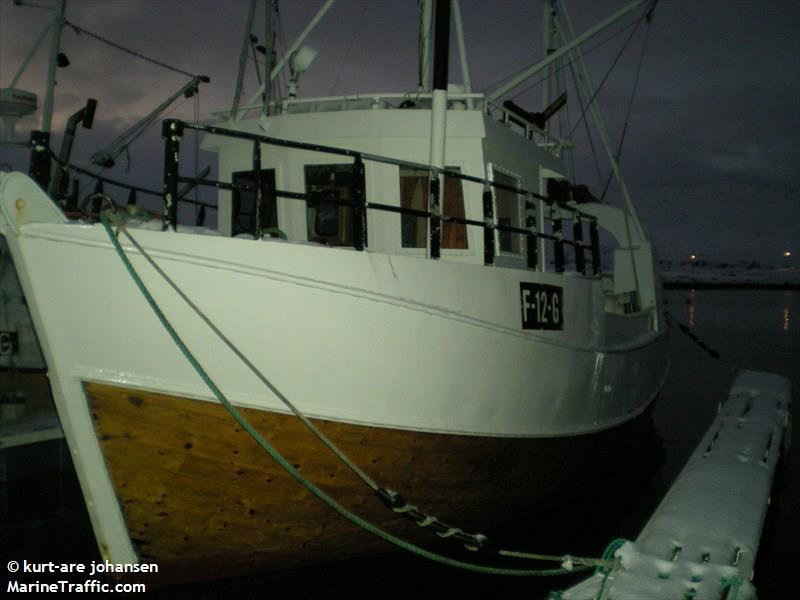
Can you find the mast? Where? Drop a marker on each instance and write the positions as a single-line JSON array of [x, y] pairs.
[[40, 165], [237, 94], [438, 121], [269, 44], [55, 42], [425, 20], [270, 75], [462, 50], [548, 39], [587, 90]]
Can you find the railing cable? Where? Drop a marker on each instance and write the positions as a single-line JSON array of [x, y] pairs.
[[80, 30]]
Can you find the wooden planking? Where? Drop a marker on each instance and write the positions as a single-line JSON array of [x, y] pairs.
[[196, 490]]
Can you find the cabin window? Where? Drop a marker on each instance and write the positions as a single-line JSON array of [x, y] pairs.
[[328, 221], [508, 213], [243, 215], [414, 194]]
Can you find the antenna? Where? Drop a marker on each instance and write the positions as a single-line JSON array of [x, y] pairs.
[[14, 104]]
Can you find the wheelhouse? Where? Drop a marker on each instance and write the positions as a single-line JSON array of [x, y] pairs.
[[493, 206]]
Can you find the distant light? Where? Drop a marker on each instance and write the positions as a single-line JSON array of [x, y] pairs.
[[692, 257], [787, 254]]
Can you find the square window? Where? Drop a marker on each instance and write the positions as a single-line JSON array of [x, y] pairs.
[[243, 215], [414, 194]]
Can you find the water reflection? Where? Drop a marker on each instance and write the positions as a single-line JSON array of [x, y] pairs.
[[690, 307], [743, 310]]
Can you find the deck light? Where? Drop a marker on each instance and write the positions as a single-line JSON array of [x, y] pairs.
[[787, 254], [299, 62], [692, 257], [301, 59]]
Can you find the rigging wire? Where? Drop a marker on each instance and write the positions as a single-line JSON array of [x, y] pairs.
[[254, 57], [566, 120], [422, 65], [80, 30], [586, 126], [280, 78], [196, 115], [350, 47], [629, 109], [606, 76], [562, 67]]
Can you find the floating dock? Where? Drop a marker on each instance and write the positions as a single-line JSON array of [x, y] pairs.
[[702, 540], [30, 430]]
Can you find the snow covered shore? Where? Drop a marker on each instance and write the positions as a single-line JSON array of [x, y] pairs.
[[742, 274]]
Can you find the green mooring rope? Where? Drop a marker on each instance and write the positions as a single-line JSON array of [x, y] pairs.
[[735, 583], [285, 465]]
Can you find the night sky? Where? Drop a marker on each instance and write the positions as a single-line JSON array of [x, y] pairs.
[[711, 151]]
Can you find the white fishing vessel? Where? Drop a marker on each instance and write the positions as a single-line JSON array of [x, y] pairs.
[[413, 273]]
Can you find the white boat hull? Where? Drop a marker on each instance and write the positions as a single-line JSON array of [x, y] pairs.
[[394, 342]]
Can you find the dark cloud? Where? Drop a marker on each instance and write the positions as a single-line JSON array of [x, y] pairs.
[[718, 98]]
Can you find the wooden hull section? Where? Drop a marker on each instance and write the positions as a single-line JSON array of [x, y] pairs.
[[201, 498]]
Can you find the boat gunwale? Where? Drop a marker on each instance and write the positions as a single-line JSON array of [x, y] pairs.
[[35, 230]]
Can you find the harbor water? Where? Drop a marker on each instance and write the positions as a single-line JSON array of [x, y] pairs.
[[42, 516]]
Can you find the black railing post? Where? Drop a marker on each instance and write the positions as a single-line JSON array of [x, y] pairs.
[[594, 236], [97, 198], [530, 239], [271, 200], [171, 131], [259, 203], [359, 204], [488, 225], [40, 158], [577, 238], [71, 207], [61, 184], [558, 245], [436, 214]]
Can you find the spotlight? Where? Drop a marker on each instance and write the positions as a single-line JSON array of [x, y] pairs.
[[302, 59], [299, 62]]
